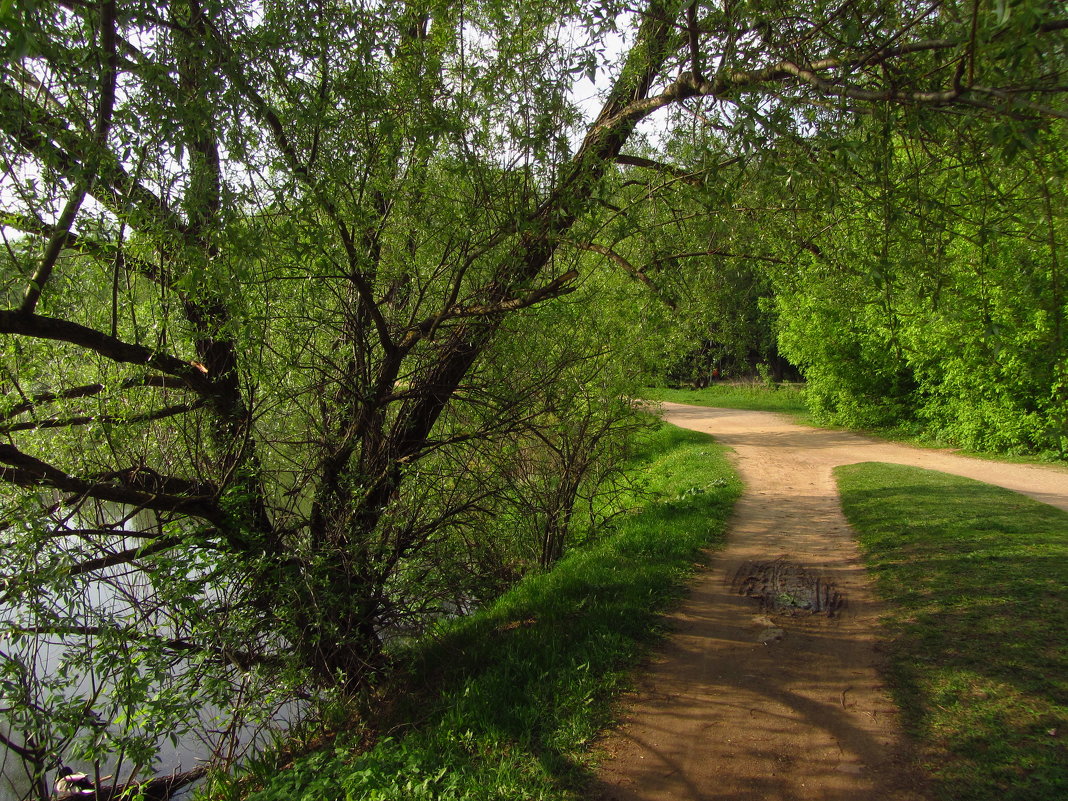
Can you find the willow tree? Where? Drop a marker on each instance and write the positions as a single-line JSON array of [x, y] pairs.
[[936, 300], [257, 251]]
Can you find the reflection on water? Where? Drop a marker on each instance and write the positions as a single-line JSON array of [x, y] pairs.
[[64, 683], [218, 735]]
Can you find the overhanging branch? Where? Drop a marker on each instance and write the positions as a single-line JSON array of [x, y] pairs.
[[41, 327], [635, 272], [105, 251], [727, 254], [84, 181], [650, 164], [126, 557], [555, 288], [27, 471], [88, 390], [54, 144], [242, 659], [88, 419]]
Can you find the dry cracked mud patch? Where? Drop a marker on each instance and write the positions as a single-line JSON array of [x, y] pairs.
[[786, 588]]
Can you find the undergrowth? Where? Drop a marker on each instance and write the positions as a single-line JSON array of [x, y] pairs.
[[505, 703], [977, 577]]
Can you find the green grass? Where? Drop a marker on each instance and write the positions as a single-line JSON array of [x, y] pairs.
[[785, 398], [977, 578], [504, 704]]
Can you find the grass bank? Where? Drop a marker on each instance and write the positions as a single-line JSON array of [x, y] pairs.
[[504, 704], [785, 398], [977, 578]]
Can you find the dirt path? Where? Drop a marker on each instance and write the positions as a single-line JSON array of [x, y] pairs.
[[745, 706]]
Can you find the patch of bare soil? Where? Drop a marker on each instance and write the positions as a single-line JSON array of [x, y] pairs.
[[786, 588], [769, 687]]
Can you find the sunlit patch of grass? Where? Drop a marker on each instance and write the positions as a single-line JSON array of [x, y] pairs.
[[977, 578], [785, 398], [504, 704]]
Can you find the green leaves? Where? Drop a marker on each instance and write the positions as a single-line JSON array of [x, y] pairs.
[[1012, 137], [930, 307]]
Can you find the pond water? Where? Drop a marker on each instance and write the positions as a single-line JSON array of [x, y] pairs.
[[117, 594], [184, 752], [15, 783]]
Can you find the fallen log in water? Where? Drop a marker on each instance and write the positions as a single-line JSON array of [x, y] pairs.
[[158, 788]]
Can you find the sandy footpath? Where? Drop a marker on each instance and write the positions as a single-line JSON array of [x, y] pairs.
[[746, 706]]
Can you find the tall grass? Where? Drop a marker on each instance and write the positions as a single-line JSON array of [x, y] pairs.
[[977, 578], [505, 703]]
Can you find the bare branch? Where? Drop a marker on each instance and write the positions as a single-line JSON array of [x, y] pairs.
[[1013, 99], [1053, 25], [105, 251], [814, 75], [649, 164], [727, 254], [270, 118], [695, 47], [88, 390], [125, 557], [51, 141], [27, 754], [84, 182], [144, 478], [633, 271], [242, 659]]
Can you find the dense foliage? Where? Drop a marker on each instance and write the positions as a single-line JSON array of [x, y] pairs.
[[321, 320], [910, 265], [937, 301]]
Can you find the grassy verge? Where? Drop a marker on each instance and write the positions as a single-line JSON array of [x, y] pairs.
[[786, 398], [977, 577], [507, 701]]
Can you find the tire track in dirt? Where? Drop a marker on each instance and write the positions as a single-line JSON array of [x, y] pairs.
[[743, 705]]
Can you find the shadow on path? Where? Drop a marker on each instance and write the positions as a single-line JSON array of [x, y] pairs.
[[745, 705]]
